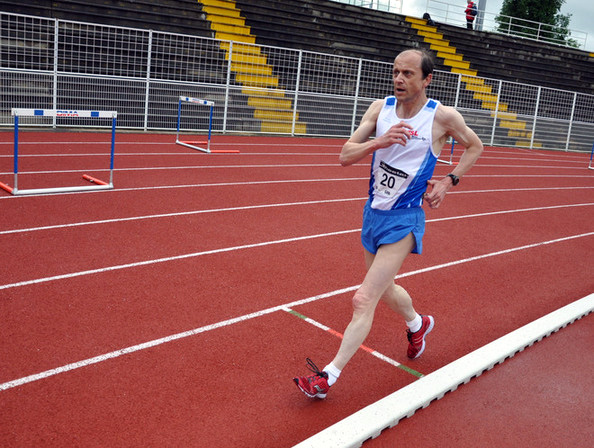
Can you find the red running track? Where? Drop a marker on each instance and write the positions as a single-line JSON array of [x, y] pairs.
[[159, 313]]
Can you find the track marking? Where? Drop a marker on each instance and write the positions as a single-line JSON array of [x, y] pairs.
[[170, 215], [387, 412], [232, 184], [259, 154], [362, 346], [187, 167], [297, 165], [228, 184], [251, 246], [284, 204], [153, 343], [173, 258]]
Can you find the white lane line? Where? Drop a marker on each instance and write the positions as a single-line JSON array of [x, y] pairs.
[[363, 347], [247, 246], [283, 204], [170, 215], [366, 179], [153, 343], [277, 165], [167, 259], [221, 184]]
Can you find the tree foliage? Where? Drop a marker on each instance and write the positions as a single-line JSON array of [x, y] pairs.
[[537, 19]]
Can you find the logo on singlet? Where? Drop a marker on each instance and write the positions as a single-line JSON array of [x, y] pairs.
[[414, 135]]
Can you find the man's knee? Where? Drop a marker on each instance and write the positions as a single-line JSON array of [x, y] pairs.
[[362, 302]]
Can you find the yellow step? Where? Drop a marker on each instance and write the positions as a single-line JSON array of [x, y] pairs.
[[519, 134], [219, 3], [505, 115], [231, 29], [223, 18], [217, 11], [442, 48], [439, 42], [241, 48], [430, 34], [486, 98], [492, 105], [269, 103], [263, 92], [251, 69], [473, 80], [236, 37], [479, 88], [246, 58], [257, 80], [454, 56], [464, 71], [457, 64], [517, 125], [424, 28], [275, 115], [286, 128], [415, 20]]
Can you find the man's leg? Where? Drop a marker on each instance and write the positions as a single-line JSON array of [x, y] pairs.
[[380, 275]]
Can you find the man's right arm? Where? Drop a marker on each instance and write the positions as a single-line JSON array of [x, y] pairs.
[[359, 146]]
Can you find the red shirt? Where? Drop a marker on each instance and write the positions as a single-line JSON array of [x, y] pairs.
[[469, 8]]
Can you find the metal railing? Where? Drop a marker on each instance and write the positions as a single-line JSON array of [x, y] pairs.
[[55, 64], [394, 6], [453, 14]]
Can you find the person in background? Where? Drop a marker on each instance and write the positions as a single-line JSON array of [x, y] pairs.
[[471, 12]]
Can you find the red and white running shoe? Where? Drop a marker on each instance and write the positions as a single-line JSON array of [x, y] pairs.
[[315, 385], [416, 340]]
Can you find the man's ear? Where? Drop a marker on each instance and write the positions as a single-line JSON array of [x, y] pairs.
[[427, 80]]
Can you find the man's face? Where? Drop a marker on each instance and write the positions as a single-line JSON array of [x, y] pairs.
[[408, 76]]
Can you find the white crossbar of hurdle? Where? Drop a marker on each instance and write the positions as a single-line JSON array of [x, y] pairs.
[[59, 113], [189, 144]]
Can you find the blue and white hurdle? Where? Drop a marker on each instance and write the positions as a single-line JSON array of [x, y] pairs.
[[591, 154], [59, 113], [193, 144], [449, 162]]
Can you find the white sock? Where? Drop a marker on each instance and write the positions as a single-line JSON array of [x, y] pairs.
[[333, 373], [415, 324]]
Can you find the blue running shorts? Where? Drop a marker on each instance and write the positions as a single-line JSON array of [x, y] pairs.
[[390, 226]]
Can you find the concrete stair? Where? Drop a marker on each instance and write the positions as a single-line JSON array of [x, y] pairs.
[[480, 91], [251, 69]]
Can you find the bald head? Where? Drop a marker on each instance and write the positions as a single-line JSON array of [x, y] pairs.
[[426, 62]]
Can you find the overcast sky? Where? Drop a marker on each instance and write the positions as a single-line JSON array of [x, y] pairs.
[[582, 13]]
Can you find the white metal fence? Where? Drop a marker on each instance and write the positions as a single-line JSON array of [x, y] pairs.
[[54, 64], [453, 14]]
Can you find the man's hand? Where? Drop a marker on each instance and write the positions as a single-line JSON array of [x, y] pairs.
[[397, 134], [436, 192]]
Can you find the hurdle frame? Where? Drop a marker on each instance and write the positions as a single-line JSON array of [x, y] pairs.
[[590, 167], [450, 162], [202, 102], [60, 113]]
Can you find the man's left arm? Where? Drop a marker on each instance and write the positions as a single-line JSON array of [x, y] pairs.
[[451, 123]]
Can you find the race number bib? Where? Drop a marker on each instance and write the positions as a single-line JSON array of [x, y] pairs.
[[388, 180]]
